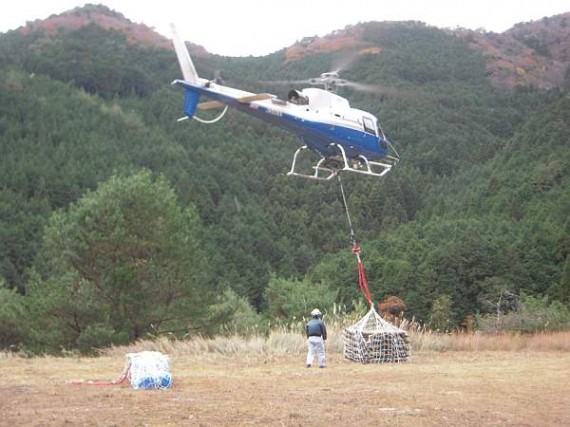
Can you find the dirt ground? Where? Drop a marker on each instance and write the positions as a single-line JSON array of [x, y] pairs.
[[431, 389]]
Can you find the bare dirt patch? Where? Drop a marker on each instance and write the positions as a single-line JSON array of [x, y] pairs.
[[451, 388]]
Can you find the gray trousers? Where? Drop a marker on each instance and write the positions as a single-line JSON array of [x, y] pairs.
[[316, 345]]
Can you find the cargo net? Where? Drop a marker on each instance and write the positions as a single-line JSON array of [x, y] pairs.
[[147, 370], [374, 340]]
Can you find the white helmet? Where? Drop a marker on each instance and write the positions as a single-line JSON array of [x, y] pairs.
[[316, 313]]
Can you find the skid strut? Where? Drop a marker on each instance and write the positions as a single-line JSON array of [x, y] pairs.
[[361, 165]]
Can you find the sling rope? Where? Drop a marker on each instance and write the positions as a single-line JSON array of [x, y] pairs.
[[362, 282]]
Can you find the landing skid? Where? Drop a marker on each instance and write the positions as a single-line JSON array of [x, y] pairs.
[[325, 172]]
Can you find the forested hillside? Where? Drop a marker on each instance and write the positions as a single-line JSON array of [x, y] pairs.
[[478, 208]]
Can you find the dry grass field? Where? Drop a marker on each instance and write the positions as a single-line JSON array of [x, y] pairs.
[[524, 386]]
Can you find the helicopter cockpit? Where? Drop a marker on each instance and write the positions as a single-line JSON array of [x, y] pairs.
[[297, 98]]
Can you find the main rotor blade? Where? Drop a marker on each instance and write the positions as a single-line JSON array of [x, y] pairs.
[[288, 82], [362, 87]]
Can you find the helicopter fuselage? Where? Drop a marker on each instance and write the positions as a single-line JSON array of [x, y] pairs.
[[321, 119]]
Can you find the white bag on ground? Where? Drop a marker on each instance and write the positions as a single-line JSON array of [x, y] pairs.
[[148, 370]]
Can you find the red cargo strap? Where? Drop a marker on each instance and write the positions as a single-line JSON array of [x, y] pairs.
[[362, 282]]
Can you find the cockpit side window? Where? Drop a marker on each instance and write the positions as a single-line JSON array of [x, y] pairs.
[[369, 126], [297, 98]]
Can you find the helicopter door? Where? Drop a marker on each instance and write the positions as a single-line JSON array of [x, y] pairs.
[[369, 126]]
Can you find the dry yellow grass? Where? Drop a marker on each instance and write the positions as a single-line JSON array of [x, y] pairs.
[[259, 383]]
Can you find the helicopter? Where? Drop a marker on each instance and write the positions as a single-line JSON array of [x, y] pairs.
[[345, 139]]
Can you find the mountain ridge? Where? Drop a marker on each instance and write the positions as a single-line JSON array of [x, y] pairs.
[[535, 53], [108, 19]]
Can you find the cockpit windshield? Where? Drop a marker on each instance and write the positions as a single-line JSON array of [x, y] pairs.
[[369, 126]]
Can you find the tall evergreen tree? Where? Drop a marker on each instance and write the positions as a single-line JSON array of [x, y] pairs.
[[124, 261]]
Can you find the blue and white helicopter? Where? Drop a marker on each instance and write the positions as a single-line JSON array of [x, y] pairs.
[[344, 138]]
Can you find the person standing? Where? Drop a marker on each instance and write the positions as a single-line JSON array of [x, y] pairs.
[[316, 336]]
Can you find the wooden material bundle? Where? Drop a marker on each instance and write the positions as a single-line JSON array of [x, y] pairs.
[[374, 340]]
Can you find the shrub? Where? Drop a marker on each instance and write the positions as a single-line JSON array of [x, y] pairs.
[[533, 315], [12, 318], [294, 299], [232, 314]]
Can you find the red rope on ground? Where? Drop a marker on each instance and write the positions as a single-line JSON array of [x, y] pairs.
[[362, 282], [119, 380], [97, 383]]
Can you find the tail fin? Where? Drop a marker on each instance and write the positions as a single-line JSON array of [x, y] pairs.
[[186, 65]]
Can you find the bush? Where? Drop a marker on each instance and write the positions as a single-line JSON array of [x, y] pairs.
[[533, 315], [233, 314], [12, 318], [96, 336], [294, 299]]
